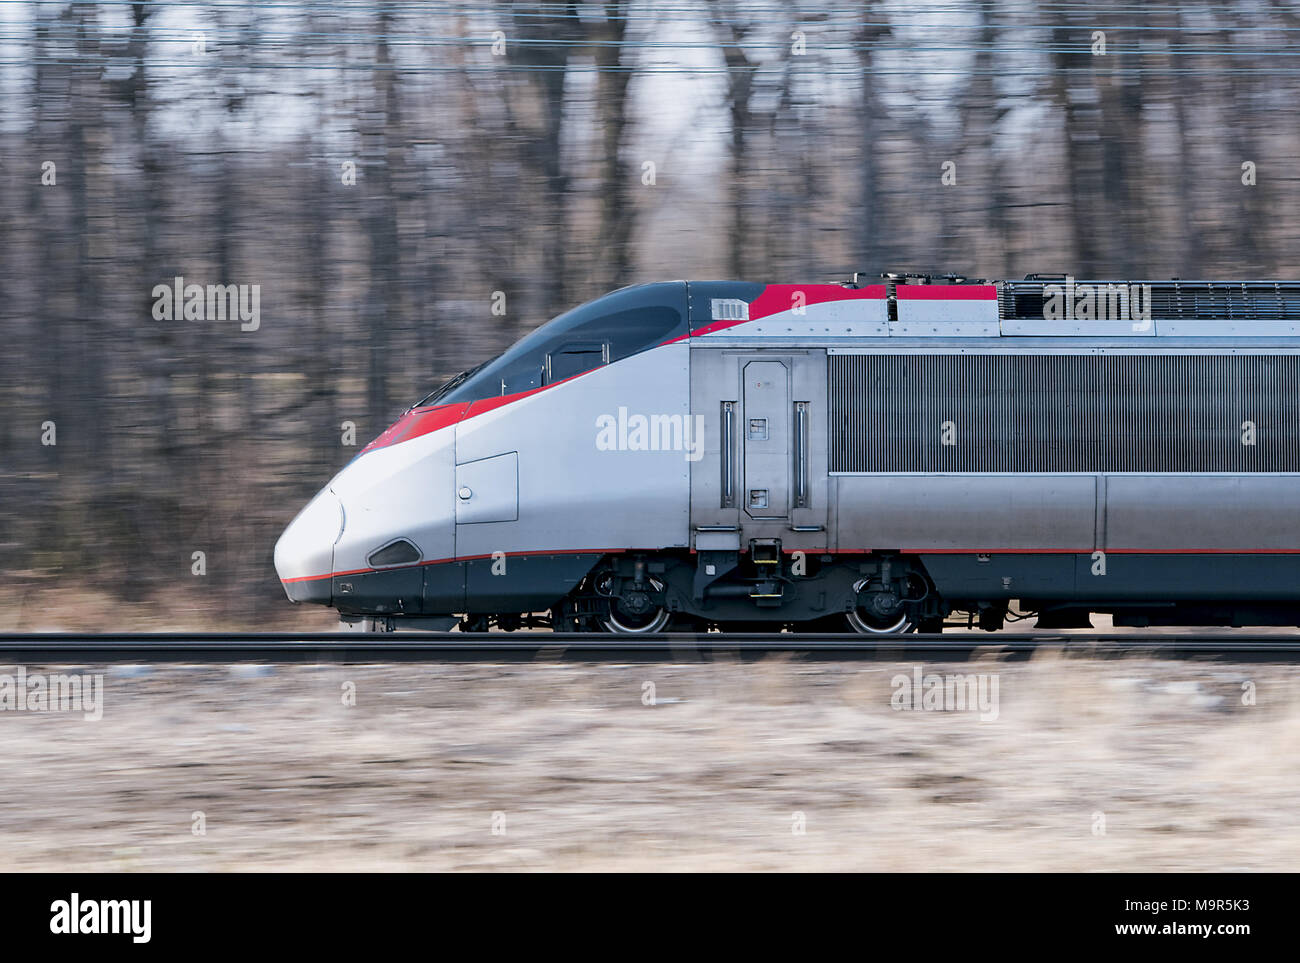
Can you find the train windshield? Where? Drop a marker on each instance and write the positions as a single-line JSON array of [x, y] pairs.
[[436, 396], [602, 331]]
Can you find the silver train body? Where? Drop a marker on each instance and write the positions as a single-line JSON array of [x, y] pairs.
[[876, 457]]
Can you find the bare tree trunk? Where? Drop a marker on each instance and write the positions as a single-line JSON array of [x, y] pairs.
[[93, 324], [740, 88], [1076, 92], [544, 152], [617, 210], [873, 241], [1249, 227], [982, 113], [381, 224]]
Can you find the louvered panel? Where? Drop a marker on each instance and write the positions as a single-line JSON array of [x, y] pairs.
[[1064, 413], [1174, 300]]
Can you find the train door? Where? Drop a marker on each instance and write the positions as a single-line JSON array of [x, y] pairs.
[[764, 467], [762, 473]]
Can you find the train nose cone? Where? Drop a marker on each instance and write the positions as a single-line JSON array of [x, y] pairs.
[[304, 555]]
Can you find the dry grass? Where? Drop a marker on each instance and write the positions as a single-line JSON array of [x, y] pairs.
[[58, 608], [588, 777]]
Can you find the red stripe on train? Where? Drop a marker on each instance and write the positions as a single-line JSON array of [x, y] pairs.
[[946, 292], [422, 421], [778, 298]]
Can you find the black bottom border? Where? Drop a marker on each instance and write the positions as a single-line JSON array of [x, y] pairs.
[[947, 912]]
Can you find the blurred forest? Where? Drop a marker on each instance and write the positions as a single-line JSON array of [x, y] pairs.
[[388, 174]]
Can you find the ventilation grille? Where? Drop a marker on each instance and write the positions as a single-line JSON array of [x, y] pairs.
[[1064, 413], [1172, 300]]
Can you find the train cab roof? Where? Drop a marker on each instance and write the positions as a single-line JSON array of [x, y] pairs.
[[606, 329]]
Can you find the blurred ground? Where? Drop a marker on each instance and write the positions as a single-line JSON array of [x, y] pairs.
[[711, 777], [56, 607]]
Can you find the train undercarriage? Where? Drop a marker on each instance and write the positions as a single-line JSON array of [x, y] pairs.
[[767, 590], [761, 590]]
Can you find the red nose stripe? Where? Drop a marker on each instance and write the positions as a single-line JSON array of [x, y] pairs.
[[784, 297], [777, 298], [946, 292], [417, 422], [421, 421]]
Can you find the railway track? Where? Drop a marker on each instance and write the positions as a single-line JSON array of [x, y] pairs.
[[555, 646]]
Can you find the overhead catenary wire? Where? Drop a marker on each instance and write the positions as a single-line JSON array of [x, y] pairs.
[[703, 69], [352, 38], [1132, 53], [833, 50], [592, 11], [795, 15]]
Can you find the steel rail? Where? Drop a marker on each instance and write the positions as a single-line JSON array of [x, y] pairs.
[[354, 647]]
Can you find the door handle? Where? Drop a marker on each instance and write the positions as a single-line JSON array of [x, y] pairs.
[[801, 454], [728, 454]]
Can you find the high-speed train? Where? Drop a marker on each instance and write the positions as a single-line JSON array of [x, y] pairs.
[[873, 455]]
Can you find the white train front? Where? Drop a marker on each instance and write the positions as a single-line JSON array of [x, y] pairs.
[[870, 456]]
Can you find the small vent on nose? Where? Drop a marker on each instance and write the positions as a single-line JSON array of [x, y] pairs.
[[400, 552]]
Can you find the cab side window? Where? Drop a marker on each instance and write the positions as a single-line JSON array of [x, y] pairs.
[[524, 375], [575, 357]]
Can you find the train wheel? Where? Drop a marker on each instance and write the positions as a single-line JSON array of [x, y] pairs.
[[870, 625], [636, 614], [879, 612]]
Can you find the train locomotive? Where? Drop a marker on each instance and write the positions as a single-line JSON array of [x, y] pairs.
[[878, 455]]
